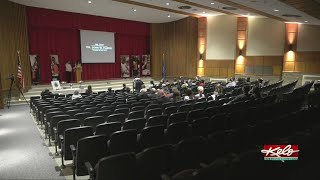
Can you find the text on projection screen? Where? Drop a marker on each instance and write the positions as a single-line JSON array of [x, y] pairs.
[[97, 47]]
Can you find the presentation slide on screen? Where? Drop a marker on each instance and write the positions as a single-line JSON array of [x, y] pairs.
[[97, 47]]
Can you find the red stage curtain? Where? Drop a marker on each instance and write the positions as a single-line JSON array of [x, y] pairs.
[[57, 32]]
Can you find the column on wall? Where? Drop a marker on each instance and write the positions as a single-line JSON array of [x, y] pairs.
[[242, 27], [289, 63], [202, 36]]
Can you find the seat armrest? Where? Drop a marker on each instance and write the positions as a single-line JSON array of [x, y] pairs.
[[55, 130], [90, 170], [165, 177], [61, 138], [203, 165], [73, 148]]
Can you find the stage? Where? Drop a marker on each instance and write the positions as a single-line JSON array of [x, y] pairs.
[[99, 85]]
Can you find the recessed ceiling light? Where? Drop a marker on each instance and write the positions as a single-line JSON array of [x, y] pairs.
[[89, 2], [203, 12], [167, 4], [169, 16], [134, 10], [306, 21], [276, 10], [212, 3]]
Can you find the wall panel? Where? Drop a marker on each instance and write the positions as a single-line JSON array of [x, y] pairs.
[[175, 44], [13, 33]]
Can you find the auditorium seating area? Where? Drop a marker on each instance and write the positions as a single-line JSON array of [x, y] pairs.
[[122, 136]]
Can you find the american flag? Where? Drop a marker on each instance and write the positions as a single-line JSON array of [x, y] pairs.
[[20, 75]]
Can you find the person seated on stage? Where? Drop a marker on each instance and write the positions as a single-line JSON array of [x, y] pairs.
[[76, 95], [89, 90], [200, 93], [242, 97]]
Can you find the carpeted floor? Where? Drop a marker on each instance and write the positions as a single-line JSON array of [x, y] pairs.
[[23, 152]]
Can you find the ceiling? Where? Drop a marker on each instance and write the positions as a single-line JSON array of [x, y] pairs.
[[160, 11]]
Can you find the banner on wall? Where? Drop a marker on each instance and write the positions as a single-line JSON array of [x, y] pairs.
[[55, 67], [35, 68], [125, 66], [145, 65], [135, 60]]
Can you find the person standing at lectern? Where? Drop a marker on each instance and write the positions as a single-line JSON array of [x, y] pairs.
[[68, 71]]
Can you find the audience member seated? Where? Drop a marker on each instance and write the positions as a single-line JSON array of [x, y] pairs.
[[137, 84], [109, 92], [260, 81], [200, 93], [232, 82], [189, 95], [76, 95], [255, 93], [89, 90], [175, 95], [45, 92], [218, 91], [161, 97], [242, 97]]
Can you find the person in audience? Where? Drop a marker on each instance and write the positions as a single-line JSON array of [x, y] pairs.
[[184, 88], [76, 95], [255, 93], [109, 91], [202, 83], [175, 95], [189, 95], [242, 97], [232, 82], [161, 97], [218, 91], [89, 90], [248, 80], [260, 81], [152, 83], [200, 93], [124, 87], [45, 92]]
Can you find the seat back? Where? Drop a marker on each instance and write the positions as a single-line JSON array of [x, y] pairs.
[[54, 121], [200, 105], [189, 153], [136, 114], [195, 114], [72, 112], [123, 141], [116, 118], [155, 161], [138, 108], [103, 113], [200, 127], [93, 121], [121, 166], [151, 136], [90, 149], [125, 111], [157, 120], [137, 124], [185, 108], [108, 128], [62, 126], [71, 137], [92, 110], [177, 117], [177, 131], [153, 112], [81, 116], [170, 110]]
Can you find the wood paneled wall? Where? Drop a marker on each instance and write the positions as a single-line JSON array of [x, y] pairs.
[[304, 62], [14, 37], [175, 43], [1, 98], [219, 68]]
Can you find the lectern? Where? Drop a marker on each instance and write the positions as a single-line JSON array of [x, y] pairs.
[[78, 70]]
